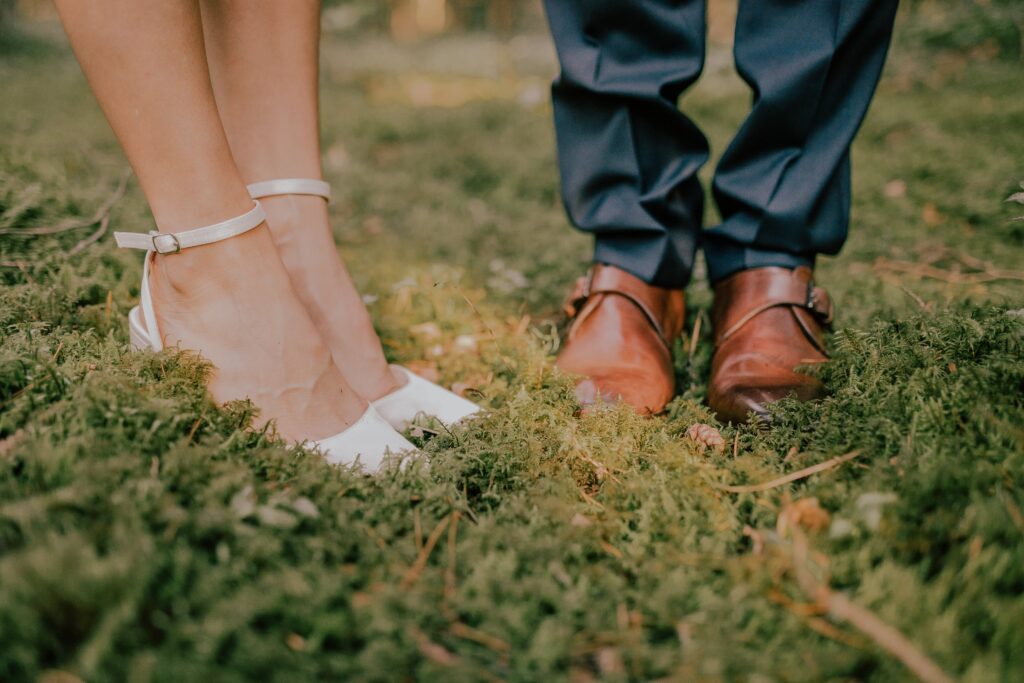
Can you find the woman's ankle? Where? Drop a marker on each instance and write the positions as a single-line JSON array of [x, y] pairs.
[[293, 219], [224, 265], [208, 199]]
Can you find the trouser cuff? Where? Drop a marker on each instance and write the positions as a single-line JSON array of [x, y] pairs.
[[725, 259], [657, 260]]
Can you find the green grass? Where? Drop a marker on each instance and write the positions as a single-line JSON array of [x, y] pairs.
[[147, 535]]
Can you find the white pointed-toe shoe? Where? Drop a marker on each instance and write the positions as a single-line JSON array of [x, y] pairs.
[[417, 397], [368, 441]]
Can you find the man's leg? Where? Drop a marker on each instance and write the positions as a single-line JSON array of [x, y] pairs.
[[783, 185], [783, 188], [628, 160], [628, 157]]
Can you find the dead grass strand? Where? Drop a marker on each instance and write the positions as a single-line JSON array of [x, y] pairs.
[[789, 478]]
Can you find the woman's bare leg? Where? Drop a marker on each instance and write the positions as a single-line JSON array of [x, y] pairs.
[[264, 62], [233, 300]]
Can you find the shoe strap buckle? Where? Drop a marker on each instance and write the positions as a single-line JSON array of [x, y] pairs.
[[153, 236], [819, 303], [580, 293]]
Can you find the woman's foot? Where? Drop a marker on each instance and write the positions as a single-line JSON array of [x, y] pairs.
[[301, 232], [233, 302]]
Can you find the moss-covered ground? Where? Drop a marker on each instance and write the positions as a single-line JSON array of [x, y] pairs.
[[148, 535]]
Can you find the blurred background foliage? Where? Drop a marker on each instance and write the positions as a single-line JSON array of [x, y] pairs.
[[985, 28]]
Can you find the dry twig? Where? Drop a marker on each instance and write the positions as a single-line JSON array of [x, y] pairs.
[[695, 337], [793, 476], [984, 271], [75, 223], [840, 608], [810, 614], [438, 654], [493, 643], [917, 300], [449, 573], [93, 238], [20, 265], [417, 529], [416, 568]]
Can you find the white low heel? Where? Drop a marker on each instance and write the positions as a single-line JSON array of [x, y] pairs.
[[368, 441], [418, 397]]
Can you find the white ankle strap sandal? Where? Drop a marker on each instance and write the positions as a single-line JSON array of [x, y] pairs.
[[142, 326], [417, 397], [368, 441]]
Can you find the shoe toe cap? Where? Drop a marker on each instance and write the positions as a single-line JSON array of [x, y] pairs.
[[737, 400], [645, 397], [420, 397]]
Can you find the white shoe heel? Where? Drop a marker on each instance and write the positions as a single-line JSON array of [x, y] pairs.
[[369, 441], [137, 330], [418, 397]]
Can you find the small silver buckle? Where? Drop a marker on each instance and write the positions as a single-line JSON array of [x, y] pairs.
[[821, 309], [177, 244]]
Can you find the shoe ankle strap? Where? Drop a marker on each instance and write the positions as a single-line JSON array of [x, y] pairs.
[[663, 308], [269, 188], [173, 242], [747, 294]]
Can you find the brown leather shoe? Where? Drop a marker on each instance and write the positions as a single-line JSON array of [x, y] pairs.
[[621, 338], [767, 322]]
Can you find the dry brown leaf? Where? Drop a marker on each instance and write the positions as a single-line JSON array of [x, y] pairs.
[[7, 445], [895, 189], [581, 675], [808, 514], [295, 642], [337, 157], [580, 520], [931, 216], [373, 225], [465, 343], [427, 369], [609, 661], [427, 330]]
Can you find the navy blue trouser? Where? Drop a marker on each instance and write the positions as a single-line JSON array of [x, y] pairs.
[[629, 158]]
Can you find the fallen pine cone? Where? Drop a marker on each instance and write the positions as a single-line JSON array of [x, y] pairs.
[[707, 437]]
